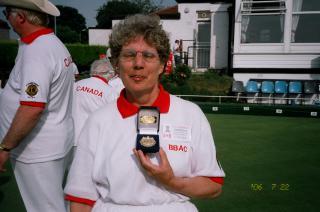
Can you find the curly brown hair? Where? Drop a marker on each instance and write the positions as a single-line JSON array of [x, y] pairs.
[[133, 26]]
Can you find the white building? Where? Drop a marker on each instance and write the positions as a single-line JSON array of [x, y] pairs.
[[252, 39]]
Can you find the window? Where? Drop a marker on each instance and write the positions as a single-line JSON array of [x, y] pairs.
[[262, 21], [305, 21]]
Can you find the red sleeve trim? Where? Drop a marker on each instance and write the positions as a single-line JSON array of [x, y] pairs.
[[34, 104], [80, 200], [219, 180]]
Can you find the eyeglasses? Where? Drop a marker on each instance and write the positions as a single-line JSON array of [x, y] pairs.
[[129, 55]]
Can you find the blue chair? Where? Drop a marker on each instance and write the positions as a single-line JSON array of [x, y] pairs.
[[280, 90], [252, 87], [252, 90], [295, 87], [267, 89], [295, 91], [281, 87]]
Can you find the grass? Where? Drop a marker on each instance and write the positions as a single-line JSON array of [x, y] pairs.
[[271, 163]]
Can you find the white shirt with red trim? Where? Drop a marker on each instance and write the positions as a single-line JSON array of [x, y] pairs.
[[42, 77], [105, 169], [89, 95], [116, 84]]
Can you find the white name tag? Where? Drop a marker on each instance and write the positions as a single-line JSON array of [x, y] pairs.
[[179, 133]]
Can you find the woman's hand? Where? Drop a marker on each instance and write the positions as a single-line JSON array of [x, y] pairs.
[[163, 172], [194, 187]]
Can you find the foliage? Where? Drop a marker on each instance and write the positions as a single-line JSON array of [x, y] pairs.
[[181, 74], [8, 54], [83, 55], [67, 35], [70, 25], [72, 18], [183, 82], [118, 9]]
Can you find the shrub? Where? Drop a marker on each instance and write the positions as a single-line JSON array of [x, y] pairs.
[[83, 55]]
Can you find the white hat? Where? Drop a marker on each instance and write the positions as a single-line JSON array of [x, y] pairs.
[[43, 6]]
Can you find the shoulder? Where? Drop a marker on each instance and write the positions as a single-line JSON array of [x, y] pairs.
[[177, 102], [106, 112]]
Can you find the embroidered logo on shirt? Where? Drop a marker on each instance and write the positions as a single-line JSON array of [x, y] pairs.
[[68, 61], [178, 148], [32, 89], [179, 133]]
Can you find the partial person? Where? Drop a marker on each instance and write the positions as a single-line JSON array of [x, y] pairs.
[[177, 52], [36, 126], [110, 171], [94, 92]]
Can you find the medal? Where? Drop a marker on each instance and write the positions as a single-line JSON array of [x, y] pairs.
[[148, 128]]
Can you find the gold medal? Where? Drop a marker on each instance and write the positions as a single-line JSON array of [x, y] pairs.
[[147, 141], [146, 119]]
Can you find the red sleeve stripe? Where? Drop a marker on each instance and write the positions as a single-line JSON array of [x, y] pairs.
[[34, 104], [80, 200], [219, 180]]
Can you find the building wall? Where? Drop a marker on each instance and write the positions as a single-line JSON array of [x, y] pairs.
[[99, 36], [186, 29], [283, 54]]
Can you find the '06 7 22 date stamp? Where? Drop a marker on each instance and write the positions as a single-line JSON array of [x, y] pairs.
[[272, 186]]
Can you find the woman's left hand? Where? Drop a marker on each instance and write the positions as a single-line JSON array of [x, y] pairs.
[[194, 187], [163, 172]]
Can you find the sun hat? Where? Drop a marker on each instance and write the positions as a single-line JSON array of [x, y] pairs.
[[43, 6]]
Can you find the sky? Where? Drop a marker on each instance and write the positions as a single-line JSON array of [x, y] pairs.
[[88, 8]]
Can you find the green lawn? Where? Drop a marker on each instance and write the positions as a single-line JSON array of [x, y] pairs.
[[272, 164]]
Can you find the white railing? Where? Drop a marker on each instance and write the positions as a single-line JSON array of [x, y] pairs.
[[270, 100]]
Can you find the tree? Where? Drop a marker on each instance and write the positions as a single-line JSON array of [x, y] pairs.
[[119, 9], [71, 25]]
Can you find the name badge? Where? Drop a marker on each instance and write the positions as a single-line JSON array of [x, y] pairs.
[[148, 122]]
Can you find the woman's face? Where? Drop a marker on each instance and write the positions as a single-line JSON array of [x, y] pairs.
[[139, 67]]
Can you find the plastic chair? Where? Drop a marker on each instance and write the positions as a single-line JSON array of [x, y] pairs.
[[310, 92], [295, 90], [280, 90], [309, 87], [252, 90], [267, 88], [252, 87], [281, 87], [238, 88], [295, 87]]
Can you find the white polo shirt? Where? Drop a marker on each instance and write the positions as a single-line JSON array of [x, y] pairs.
[[42, 77], [89, 95], [105, 173]]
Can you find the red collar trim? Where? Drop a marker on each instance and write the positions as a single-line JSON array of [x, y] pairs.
[[127, 109], [102, 78], [31, 37]]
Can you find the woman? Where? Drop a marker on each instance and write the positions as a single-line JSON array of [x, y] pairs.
[[109, 173]]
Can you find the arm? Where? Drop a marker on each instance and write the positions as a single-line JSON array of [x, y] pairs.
[[24, 121], [79, 207], [194, 187]]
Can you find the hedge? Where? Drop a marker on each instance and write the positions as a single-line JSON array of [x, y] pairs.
[[83, 55]]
